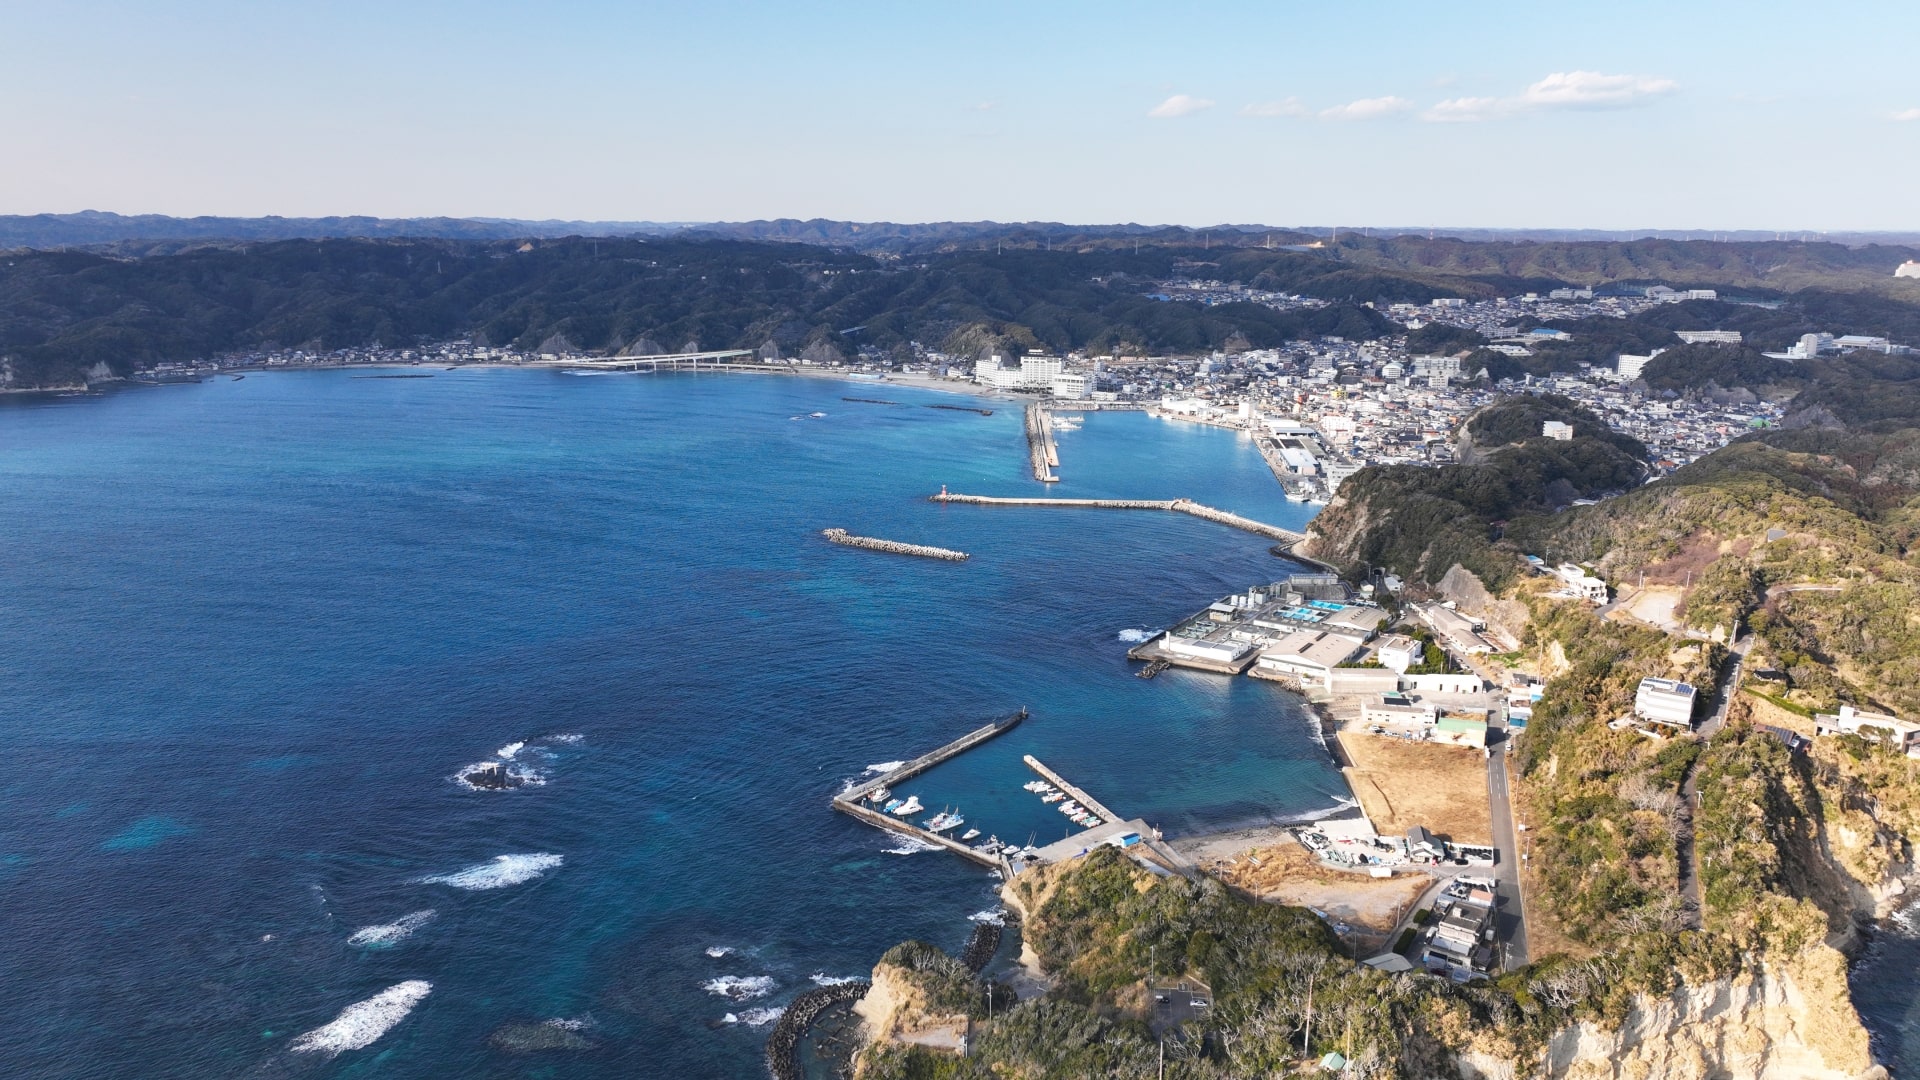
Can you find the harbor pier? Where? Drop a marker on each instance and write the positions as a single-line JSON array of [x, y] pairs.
[[1182, 506], [850, 802], [1111, 826], [1041, 452]]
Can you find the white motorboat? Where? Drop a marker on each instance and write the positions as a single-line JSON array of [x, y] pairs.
[[911, 806]]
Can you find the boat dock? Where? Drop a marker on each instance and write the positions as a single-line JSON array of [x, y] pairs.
[[1041, 451], [850, 801], [1182, 506], [842, 536], [1111, 825]]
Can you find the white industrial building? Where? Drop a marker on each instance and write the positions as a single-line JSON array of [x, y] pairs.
[[1069, 384], [1307, 655], [1665, 701], [1629, 366], [1557, 429], [1398, 652], [1709, 337]]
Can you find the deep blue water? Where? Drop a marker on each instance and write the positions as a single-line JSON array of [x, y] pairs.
[[249, 630]]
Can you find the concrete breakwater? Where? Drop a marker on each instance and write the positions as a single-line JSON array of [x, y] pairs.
[[800, 1015], [981, 945], [1183, 506], [850, 802], [842, 536], [1041, 451]]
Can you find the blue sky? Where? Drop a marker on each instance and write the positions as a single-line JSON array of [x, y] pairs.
[[1616, 115]]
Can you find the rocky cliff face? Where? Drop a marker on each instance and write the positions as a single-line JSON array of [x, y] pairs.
[[1790, 1023]]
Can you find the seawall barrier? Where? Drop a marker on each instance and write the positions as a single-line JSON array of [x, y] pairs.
[[843, 537]]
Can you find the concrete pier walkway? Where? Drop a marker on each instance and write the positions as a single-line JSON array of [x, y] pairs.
[[1183, 506]]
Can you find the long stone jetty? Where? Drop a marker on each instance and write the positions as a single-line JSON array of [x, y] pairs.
[[1041, 452], [1183, 506], [842, 536]]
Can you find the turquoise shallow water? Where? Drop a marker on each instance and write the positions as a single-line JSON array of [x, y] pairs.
[[249, 630]]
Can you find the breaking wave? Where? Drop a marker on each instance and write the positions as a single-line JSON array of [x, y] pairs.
[[363, 1022], [503, 871], [825, 979], [910, 846], [718, 951], [995, 916], [567, 738], [518, 775], [506, 752], [1135, 637], [754, 1017], [1341, 805], [387, 935], [885, 767], [739, 987]]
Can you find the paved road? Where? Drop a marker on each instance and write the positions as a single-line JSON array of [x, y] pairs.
[[1510, 929]]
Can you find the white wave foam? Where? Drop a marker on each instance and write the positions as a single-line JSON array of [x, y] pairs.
[[718, 951], [1135, 637], [1341, 806], [363, 1022], [760, 1017], [885, 767], [506, 752], [503, 871], [518, 775], [739, 987], [910, 846], [389, 934], [567, 738], [825, 979], [565, 1023], [996, 916]]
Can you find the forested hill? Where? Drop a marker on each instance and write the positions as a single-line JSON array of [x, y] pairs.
[[63, 314]]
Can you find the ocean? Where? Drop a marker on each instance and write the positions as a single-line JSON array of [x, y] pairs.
[[252, 631]]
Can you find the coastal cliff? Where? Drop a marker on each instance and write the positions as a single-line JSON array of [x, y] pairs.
[[1790, 1023]]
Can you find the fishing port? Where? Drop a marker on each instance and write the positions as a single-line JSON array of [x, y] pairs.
[[854, 801], [894, 547]]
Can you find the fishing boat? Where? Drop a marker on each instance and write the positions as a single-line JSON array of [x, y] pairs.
[[944, 820], [893, 805], [970, 834], [911, 806], [1069, 808], [880, 796], [1036, 786], [1052, 797]]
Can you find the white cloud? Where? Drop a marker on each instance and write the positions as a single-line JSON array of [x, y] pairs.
[[1367, 109], [1179, 105], [1463, 110], [1287, 107], [1906, 115], [1560, 90], [1592, 90]]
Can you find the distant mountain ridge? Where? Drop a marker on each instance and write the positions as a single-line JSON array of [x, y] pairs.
[[96, 227]]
